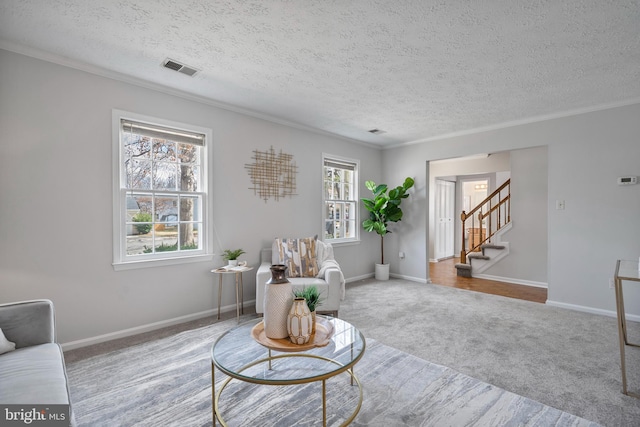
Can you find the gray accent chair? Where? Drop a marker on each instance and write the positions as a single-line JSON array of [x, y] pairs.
[[34, 373]]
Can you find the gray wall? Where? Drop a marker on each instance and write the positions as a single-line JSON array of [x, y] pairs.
[[55, 184], [601, 222], [527, 260], [56, 209]]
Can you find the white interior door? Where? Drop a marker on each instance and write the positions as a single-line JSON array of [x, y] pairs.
[[445, 208]]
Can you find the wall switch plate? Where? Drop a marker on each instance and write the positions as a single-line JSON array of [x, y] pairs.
[[611, 284], [560, 205], [401, 255]]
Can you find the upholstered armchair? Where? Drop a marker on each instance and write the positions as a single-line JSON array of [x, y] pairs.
[[328, 277]]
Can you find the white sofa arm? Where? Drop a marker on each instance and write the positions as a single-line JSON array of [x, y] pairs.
[[262, 276], [333, 277]]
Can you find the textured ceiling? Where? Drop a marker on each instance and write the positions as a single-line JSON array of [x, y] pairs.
[[416, 69]]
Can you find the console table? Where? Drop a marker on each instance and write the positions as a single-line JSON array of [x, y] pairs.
[[625, 270]]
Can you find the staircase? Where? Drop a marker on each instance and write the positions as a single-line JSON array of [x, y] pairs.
[[483, 226], [488, 255]]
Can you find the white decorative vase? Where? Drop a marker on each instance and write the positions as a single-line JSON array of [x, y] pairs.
[[382, 271], [299, 322], [278, 297]]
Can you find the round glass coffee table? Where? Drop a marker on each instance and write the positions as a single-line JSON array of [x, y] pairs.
[[243, 354]]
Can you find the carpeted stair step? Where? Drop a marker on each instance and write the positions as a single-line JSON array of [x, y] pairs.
[[491, 246], [478, 255], [464, 270]]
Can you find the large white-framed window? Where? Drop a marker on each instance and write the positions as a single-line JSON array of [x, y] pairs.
[[160, 170], [340, 199]]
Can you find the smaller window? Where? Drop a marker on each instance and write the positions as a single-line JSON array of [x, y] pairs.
[[340, 195]]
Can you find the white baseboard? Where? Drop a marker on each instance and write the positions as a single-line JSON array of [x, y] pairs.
[[169, 322], [511, 280], [441, 259], [410, 278], [357, 278], [150, 327], [394, 275], [585, 309]]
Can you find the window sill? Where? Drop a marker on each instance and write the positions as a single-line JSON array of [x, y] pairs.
[[342, 243], [150, 263]]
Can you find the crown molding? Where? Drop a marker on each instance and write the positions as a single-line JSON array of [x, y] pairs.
[[114, 75], [102, 72], [528, 120]]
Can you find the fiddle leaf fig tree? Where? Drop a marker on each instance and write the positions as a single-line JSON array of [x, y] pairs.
[[384, 207]]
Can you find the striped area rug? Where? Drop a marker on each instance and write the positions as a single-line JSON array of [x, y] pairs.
[[167, 382]]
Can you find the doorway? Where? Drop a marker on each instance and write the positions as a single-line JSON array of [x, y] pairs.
[[527, 268]]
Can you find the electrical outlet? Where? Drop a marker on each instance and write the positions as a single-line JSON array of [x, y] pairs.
[[611, 284]]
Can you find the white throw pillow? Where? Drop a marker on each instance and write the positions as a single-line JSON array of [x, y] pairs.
[[6, 345]]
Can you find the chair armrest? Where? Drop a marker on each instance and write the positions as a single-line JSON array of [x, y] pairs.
[[28, 323], [333, 276], [262, 276]]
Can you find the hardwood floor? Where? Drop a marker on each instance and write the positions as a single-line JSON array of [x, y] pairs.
[[444, 273]]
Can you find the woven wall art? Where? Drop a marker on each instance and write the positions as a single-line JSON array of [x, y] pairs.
[[272, 175]]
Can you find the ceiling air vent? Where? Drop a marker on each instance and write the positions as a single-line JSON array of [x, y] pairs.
[[377, 131], [181, 68]]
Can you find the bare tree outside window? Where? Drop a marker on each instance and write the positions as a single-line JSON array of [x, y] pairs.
[[162, 178], [187, 155]]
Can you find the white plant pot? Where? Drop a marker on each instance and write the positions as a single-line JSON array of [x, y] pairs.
[[233, 262], [382, 271]]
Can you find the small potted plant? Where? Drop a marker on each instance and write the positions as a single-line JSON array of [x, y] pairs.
[[232, 255], [312, 296]]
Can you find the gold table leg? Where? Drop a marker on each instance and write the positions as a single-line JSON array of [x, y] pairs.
[[216, 398], [324, 403], [622, 333], [351, 370], [213, 393], [238, 297], [219, 294], [241, 295]]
